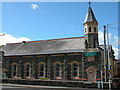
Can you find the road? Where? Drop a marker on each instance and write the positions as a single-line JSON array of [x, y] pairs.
[[13, 88], [30, 87]]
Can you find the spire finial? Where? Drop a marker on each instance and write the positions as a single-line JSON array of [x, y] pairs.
[[89, 3]]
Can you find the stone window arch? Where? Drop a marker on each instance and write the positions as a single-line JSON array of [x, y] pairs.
[[14, 69], [27, 69], [57, 69], [91, 74], [41, 69], [75, 69], [90, 29]]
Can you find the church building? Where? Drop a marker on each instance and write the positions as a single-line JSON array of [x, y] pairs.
[[77, 58]]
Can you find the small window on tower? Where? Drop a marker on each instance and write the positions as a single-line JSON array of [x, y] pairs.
[[89, 29], [94, 29], [85, 30]]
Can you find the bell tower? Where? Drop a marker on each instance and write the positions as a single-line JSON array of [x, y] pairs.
[[91, 30]]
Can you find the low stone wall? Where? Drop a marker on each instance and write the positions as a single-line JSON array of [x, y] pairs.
[[62, 83]]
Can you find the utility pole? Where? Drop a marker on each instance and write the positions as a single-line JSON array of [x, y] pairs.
[[101, 79], [104, 53], [109, 61], [108, 55]]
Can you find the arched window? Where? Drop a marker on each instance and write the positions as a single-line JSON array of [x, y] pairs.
[[57, 70], [75, 70], [14, 69], [41, 73], [41, 69], [95, 29], [85, 30], [27, 70], [89, 29]]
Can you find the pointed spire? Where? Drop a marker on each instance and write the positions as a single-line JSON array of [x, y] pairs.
[[90, 15], [89, 3]]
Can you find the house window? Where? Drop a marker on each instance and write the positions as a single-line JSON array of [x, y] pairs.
[[57, 70], [75, 70], [28, 70], [41, 73], [14, 69], [89, 29], [95, 29]]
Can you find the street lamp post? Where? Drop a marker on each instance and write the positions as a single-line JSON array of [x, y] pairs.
[[109, 62], [108, 55], [104, 53]]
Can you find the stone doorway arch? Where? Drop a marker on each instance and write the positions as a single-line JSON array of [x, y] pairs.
[[91, 74], [4, 73]]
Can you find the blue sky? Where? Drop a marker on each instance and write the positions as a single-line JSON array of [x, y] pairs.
[[51, 20]]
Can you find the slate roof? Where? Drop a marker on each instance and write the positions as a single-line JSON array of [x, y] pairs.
[[90, 17], [102, 47], [65, 45]]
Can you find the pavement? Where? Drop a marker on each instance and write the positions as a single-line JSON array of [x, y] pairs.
[[25, 87]]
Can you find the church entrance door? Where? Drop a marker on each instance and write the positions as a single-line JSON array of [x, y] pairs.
[[91, 76]]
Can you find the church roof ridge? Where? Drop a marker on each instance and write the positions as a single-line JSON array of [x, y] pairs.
[[45, 40]]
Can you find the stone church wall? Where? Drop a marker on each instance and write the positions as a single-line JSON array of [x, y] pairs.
[[65, 60]]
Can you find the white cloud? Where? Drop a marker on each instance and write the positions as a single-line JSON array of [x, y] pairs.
[[101, 37], [113, 40], [34, 6], [7, 38], [117, 52], [116, 41]]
